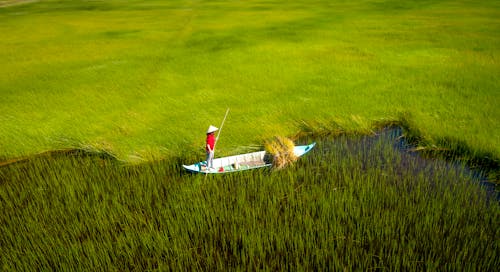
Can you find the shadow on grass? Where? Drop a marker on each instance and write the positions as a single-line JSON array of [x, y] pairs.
[[411, 140]]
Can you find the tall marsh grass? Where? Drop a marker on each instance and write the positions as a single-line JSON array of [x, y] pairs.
[[351, 204]]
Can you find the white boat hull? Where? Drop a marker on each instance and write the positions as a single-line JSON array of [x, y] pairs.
[[241, 162]]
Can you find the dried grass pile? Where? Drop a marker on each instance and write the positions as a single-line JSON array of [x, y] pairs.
[[280, 151]]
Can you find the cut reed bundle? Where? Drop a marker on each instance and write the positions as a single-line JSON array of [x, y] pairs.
[[279, 151]]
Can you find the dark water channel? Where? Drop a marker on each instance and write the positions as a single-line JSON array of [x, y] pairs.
[[390, 152]]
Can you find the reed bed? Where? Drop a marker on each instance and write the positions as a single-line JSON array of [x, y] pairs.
[[351, 204]]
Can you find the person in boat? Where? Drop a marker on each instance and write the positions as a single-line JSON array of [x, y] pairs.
[[210, 146]]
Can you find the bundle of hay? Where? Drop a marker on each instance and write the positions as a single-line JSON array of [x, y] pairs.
[[279, 151]]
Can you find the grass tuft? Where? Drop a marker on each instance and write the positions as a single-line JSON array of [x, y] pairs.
[[281, 150]]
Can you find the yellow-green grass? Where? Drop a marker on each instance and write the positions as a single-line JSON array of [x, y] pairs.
[[143, 79], [280, 151]]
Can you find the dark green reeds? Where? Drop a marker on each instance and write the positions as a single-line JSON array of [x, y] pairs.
[[354, 204]]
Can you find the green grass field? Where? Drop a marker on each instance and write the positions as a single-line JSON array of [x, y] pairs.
[[125, 90], [144, 79]]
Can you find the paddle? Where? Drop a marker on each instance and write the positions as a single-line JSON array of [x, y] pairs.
[[220, 129]]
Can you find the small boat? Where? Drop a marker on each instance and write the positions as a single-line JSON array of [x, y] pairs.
[[241, 162]]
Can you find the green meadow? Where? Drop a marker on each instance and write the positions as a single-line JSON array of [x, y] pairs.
[[144, 79], [102, 101]]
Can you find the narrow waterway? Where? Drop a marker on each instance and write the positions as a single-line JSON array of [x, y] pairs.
[[390, 153]]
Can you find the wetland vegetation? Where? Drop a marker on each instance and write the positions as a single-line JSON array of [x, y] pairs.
[[352, 203], [126, 90], [143, 79]]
